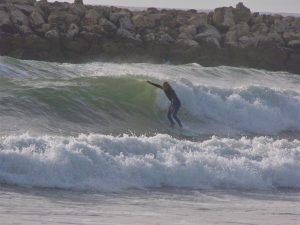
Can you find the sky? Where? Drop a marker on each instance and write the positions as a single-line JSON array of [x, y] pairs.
[[284, 6]]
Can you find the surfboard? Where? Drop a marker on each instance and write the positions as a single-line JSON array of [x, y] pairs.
[[184, 132]]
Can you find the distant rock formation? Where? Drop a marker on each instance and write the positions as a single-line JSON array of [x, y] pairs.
[[76, 32]]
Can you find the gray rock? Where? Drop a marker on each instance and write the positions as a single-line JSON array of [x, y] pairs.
[[19, 18], [248, 41], [43, 6], [36, 18], [5, 22], [25, 2], [260, 28], [188, 31], [78, 2], [281, 25], [116, 16], [144, 22], [126, 23], [294, 43], [43, 29], [198, 19], [52, 35], [164, 38], [78, 9], [235, 32], [126, 34], [62, 17], [72, 31], [223, 17], [208, 31], [150, 37], [187, 42], [209, 34], [241, 13], [23, 29], [26, 9], [107, 25], [91, 17], [291, 35]]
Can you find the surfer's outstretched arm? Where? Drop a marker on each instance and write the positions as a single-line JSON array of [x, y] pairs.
[[155, 85]]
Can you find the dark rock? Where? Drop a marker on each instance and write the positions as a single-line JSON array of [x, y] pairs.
[[91, 17], [241, 13], [23, 2], [52, 35], [62, 17], [36, 18], [26, 9], [19, 18], [223, 17], [6, 24], [78, 2], [107, 25]]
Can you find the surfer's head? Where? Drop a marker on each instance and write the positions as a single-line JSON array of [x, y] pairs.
[[166, 86]]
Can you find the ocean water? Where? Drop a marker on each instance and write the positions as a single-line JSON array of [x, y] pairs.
[[90, 144]]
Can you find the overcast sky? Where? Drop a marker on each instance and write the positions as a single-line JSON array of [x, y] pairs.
[[286, 6]]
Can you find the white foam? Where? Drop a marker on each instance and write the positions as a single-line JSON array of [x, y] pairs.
[[252, 109], [107, 163]]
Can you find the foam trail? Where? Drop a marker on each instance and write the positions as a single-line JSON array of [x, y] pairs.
[[107, 163]]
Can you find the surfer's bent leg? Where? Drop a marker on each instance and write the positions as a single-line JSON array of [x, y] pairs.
[[175, 111], [170, 111]]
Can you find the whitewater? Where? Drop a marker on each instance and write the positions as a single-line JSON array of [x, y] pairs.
[[96, 133]]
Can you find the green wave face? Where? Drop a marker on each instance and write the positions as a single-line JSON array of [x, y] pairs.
[[94, 104]]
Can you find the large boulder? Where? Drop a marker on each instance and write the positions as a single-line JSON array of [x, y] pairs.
[[281, 25], [116, 16], [44, 7], [271, 40], [78, 9], [107, 26], [188, 31], [91, 17], [209, 34], [241, 13], [260, 28], [197, 20], [24, 2], [126, 34], [26, 30], [26, 9], [235, 32], [146, 21], [5, 22], [36, 18], [164, 38], [78, 2], [52, 35], [19, 18], [72, 31], [223, 17], [187, 43], [291, 35], [126, 23], [62, 17]]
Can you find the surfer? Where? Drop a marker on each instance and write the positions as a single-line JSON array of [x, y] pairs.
[[175, 102]]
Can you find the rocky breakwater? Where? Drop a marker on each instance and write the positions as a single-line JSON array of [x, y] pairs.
[[75, 32]]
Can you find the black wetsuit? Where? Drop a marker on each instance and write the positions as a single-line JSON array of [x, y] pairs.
[[175, 104]]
